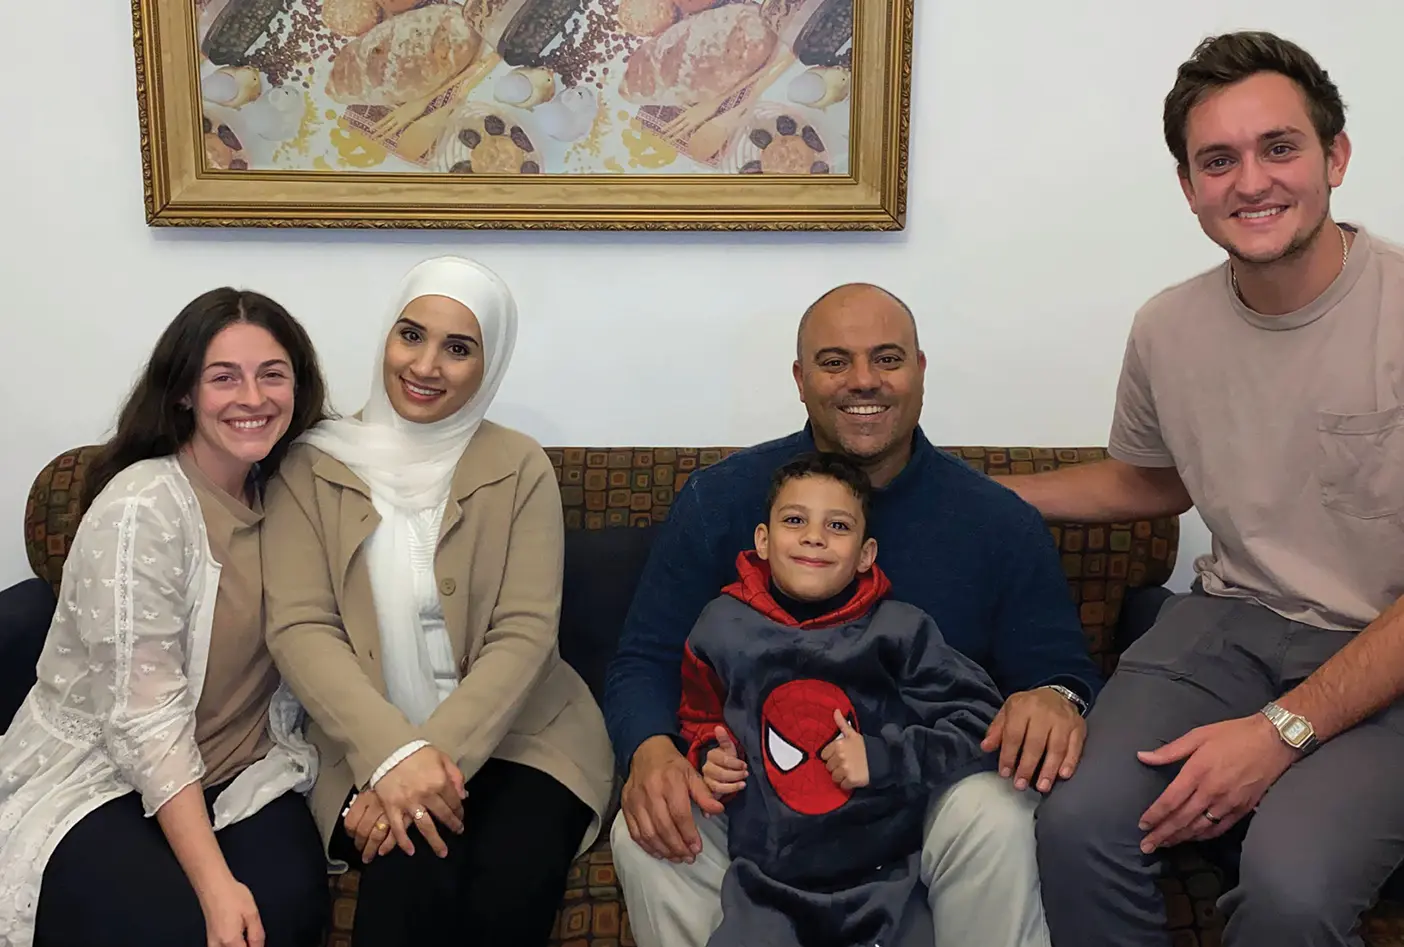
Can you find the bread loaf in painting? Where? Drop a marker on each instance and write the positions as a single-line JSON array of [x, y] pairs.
[[404, 57], [521, 30], [704, 55]]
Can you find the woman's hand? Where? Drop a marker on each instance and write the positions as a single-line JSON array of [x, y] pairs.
[[423, 787], [231, 917], [368, 824]]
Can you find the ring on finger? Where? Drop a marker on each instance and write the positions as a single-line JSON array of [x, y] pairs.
[[382, 826], [419, 813], [1211, 817]]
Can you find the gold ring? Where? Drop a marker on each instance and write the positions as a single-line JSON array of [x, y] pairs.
[[1211, 817], [382, 826], [418, 814]]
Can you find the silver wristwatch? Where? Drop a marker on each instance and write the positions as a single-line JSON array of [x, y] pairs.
[[1294, 729], [1071, 696]]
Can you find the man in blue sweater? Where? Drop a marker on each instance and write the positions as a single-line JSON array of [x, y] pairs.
[[956, 545]]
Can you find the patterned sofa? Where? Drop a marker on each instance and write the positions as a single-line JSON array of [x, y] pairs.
[[613, 498]]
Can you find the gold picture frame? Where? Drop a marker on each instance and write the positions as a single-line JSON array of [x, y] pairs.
[[198, 171]]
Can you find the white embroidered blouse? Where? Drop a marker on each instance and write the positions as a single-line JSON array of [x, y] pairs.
[[113, 709]]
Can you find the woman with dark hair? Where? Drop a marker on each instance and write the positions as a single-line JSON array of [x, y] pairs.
[[151, 787]]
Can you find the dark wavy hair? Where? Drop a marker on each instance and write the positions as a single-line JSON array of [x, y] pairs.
[[154, 424], [1220, 61], [824, 464]]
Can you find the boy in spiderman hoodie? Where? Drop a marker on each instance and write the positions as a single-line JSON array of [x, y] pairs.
[[825, 715]]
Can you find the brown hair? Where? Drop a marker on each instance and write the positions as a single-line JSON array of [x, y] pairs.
[[152, 423], [1220, 61]]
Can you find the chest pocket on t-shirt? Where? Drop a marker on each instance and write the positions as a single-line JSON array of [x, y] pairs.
[[1361, 468]]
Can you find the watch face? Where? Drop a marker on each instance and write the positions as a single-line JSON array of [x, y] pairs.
[[1295, 732]]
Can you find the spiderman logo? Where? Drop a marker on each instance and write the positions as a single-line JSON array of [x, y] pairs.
[[797, 722]]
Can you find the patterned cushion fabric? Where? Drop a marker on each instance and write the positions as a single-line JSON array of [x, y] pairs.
[[634, 486]]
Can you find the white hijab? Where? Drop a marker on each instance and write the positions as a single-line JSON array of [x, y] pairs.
[[409, 467]]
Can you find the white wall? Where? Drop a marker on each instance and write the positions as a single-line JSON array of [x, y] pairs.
[[1043, 210]]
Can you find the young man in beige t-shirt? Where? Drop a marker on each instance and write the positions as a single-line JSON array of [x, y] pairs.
[[1269, 393]]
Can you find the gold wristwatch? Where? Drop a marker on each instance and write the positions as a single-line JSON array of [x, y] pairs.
[[1294, 729]]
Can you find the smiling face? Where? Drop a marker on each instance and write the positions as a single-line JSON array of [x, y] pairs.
[[814, 540], [860, 376], [433, 359], [1258, 177], [242, 403]]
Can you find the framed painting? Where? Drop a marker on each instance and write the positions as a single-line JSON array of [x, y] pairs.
[[518, 114]]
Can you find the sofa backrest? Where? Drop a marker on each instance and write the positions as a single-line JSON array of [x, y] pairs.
[[614, 497]]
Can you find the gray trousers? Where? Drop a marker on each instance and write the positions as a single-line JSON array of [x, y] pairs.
[[1323, 840], [977, 864]]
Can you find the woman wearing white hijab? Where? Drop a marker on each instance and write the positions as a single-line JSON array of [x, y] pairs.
[[413, 561]]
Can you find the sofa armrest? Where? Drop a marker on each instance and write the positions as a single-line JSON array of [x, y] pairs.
[[25, 612]]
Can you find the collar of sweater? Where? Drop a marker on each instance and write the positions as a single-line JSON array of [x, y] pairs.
[[922, 449], [752, 587]]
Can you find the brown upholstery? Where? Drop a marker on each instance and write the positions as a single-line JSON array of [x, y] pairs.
[[634, 486]]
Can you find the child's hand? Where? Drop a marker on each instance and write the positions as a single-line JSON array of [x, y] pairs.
[[724, 771], [846, 756]]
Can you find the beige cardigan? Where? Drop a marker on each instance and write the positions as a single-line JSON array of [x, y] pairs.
[[499, 566]]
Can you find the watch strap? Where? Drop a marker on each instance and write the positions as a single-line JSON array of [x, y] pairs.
[[1280, 716], [1071, 696]]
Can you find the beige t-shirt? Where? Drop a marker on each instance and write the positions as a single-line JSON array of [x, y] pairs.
[[1288, 432], [231, 720]]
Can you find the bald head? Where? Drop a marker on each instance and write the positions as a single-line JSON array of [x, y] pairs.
[[860, 375], [853, 297]]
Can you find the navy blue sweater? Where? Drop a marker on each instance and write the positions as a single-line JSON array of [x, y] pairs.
[[957, 545]]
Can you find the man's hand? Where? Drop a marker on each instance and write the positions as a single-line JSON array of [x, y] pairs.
[[1036, 726], [657, 801], [724, 771], [846, 756], [1228, 767]]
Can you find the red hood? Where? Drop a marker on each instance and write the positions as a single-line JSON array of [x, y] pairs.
[[753, 587]]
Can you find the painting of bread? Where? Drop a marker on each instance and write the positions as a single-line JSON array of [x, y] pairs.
[[484, 88], [704, 55], [404, 57]]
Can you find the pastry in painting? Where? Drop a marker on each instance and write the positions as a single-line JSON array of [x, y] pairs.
[[403, 58], [647, 17], [704, 55], [482, 140], [776, 139], [223, 149], [350, 17], [521, 31]]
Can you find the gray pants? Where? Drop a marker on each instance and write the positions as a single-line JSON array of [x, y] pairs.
[[977, 864], [1323, 840]]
